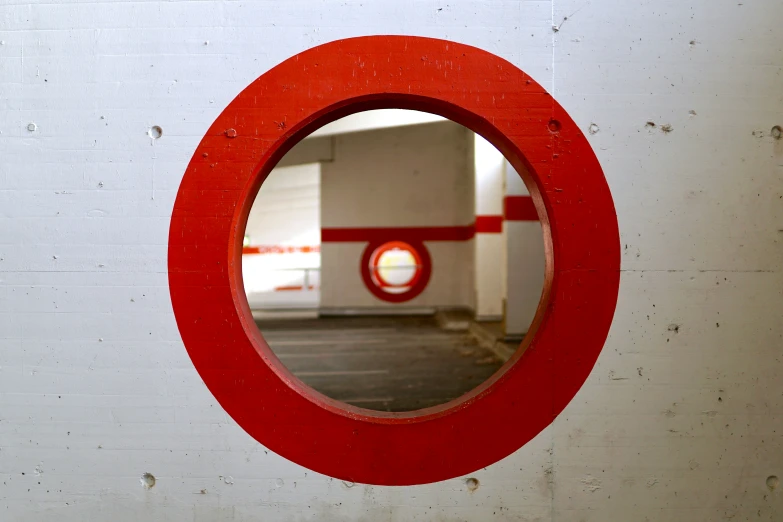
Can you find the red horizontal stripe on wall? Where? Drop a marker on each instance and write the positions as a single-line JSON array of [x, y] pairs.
[[292, 288], [280, 249], [352, 235], [519, 208], [489, 224]]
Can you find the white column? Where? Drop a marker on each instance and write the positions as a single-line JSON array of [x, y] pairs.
[[489, 244]]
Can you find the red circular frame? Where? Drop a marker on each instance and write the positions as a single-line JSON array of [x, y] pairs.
[[390, 246], [420, 279], [474, 88]]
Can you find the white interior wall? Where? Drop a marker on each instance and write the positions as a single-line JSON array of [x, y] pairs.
[[285, 213], [679, 421], [525, 262], [412, 176], [344, 291], [286, 210]]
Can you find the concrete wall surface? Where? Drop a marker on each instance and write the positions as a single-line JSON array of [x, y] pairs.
[[681, 418]]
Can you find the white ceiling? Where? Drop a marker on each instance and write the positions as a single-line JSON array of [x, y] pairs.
[[377, 119]]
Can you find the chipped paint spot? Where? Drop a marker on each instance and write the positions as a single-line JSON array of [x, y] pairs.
[[591, 484], [147, 481], [472, 484]]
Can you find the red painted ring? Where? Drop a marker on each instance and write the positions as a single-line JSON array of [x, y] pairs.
[[377, 253], [472, 87], [420, 279]]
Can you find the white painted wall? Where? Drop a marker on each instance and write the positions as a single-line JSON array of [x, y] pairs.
[[285, 213], [412, 176], [525, 262], [96, 387], [287, 209]]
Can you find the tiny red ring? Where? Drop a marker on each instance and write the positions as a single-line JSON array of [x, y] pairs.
[[420, 279], [375, 271], [486, 94]]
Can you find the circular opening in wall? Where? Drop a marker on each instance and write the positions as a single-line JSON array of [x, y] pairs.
[[396, 271], [250, 374], [377, 273], [395, 267]]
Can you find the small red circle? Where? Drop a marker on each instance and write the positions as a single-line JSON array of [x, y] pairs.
[[384, 276], [386, 291], [472, 87]]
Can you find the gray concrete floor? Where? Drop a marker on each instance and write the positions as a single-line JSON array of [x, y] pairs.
[[380, 363]]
